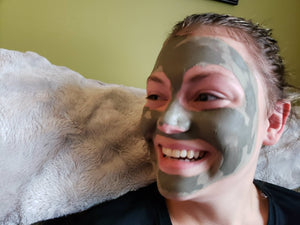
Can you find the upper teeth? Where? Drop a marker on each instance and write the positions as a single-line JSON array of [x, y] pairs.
[[176, 153]]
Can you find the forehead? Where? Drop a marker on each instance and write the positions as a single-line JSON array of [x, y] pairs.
[[181, 53]]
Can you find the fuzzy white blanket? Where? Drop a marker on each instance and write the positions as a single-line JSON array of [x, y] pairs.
[[68, 143]]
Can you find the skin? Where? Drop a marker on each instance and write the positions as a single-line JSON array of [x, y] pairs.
[[225, 127], [178, 96]]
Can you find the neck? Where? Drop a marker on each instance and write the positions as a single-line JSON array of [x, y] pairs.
[[242, 204]]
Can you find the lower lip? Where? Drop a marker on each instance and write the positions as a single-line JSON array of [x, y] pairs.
[[181, 166]]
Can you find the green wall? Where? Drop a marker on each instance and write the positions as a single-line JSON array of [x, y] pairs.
[[117, 41]]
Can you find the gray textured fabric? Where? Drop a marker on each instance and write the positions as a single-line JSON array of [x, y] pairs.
[[67, 142]]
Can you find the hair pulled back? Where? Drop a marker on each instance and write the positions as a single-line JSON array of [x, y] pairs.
[[264, 47]]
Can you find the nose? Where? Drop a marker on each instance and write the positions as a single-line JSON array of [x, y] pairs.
[[175, 119]]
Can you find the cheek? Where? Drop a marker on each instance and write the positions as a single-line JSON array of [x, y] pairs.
[[263, 106], [148, 123], [148, 128], [230, 131], [236, 135]]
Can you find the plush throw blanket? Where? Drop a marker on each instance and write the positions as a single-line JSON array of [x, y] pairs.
[[68, 143]]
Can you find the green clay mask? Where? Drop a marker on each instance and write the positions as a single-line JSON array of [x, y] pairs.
[[230, 130]]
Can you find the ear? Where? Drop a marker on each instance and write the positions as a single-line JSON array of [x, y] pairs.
[[277, 122]]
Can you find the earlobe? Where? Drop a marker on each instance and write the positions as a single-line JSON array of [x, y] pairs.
[[277, 122]]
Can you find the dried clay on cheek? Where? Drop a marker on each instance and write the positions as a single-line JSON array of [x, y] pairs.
[[230, 131]]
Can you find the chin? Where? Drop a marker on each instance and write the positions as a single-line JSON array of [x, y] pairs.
[[178, 196]]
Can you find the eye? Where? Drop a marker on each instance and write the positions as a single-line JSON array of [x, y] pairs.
[[204, 97], [152, 97], [156, 100]]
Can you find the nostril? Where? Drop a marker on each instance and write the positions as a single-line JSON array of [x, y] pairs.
[[174, 120], [170, 129], [160, 123]]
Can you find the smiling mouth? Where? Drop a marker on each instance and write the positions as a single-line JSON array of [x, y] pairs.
[[183, 154]]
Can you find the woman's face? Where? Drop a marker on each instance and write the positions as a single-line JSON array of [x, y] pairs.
[[201, 115]]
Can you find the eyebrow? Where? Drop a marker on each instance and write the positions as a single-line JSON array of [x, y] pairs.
[[204, 74], [155, 79], [198, 77]]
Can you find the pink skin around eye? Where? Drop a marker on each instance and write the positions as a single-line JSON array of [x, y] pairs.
[[214, 80], [159, 85]]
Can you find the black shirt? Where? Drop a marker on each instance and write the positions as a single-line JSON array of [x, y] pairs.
[[284, 204], [147, 207]]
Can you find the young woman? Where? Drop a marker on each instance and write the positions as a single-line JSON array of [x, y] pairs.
[[214, 98]]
